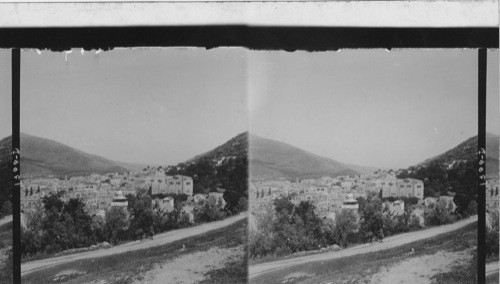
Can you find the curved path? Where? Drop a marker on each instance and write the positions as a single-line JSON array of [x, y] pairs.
[[157, 240], [5, 220], [388, 243], [492, 267]]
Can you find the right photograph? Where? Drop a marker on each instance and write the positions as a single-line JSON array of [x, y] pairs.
[[363, 166]]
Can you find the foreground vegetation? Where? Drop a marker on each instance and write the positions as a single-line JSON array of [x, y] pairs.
[[129, 267], [361, 268], [284, 228], [55, 225], [493, 238], [6, 244]]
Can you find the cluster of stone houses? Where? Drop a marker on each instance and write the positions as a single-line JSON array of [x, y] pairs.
[[333, 194], [101, 192]]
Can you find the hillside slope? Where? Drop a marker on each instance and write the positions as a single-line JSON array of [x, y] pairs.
[[271, 159], [5, 170], [468, 150], [42, 157], [234, 147]]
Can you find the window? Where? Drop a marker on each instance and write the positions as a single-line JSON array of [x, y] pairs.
[[419, 186], [188, 183]]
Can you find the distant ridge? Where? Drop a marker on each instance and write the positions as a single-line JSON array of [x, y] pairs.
[[468, 150], [44, 157], [271, 159]]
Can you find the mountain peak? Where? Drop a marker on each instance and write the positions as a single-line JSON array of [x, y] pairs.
[[234, 147]]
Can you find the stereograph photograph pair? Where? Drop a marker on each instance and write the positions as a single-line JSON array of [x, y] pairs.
[[344, 156]]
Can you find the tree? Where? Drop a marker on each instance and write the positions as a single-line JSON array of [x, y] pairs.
[[26, 192], [269, 192], [345, 225], [372, 220], [242, 204], [116, 225], [38, 191], [141, 211], [31, 191], [472, 209], [7, 208]]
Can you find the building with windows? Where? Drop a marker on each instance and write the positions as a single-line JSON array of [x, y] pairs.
[[408, 187], [163, 184]]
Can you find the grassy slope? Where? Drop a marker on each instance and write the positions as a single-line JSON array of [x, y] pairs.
[[127, 267], [359, 268], [43, 156], [271, 159]]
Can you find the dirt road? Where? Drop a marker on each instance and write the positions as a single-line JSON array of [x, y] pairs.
[[388, 243], [5, 220], [158, 240], [191, 268], [492, 268]]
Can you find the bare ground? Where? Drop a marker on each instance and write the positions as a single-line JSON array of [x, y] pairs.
[[421, 269], [191, 268]]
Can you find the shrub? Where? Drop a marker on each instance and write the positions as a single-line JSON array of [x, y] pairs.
[[472, 208], [492, 235], [439, 214]]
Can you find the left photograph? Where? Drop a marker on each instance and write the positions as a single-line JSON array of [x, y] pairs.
[[134, 166], [5, 167]]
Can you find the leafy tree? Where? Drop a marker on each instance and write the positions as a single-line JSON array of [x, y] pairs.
[[242, 204], [345, 225], [472, 209], [7, 208], [116, 225], [141, 216], [372, 220]]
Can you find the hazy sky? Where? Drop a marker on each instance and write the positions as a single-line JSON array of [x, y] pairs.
[[152, 106], [5, 93], [370, 107]]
